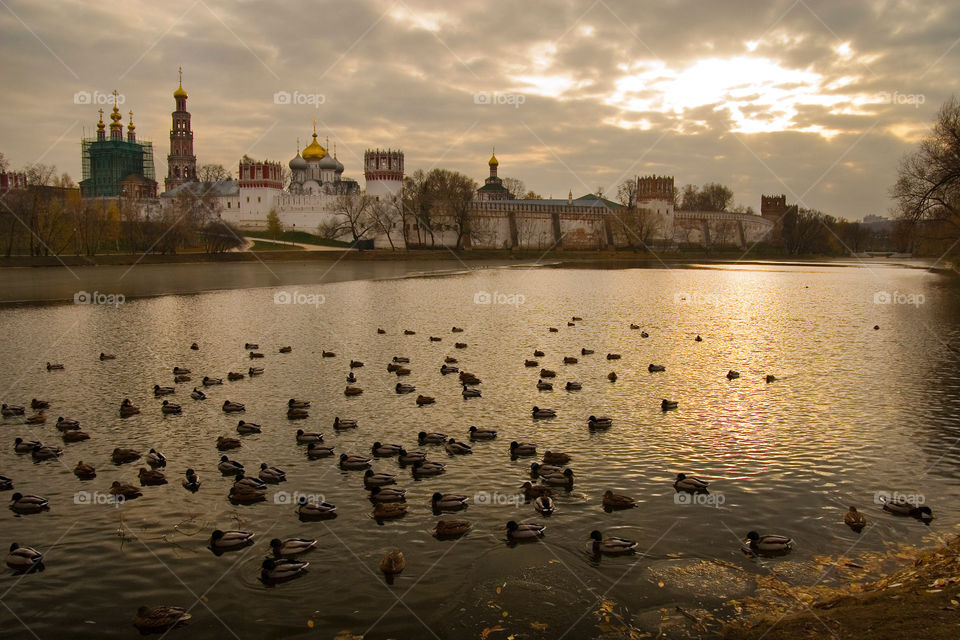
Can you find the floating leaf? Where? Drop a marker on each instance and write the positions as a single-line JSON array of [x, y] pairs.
[[539, 626], [486, 632]]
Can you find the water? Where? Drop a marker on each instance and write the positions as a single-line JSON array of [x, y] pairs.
[[854, 411]]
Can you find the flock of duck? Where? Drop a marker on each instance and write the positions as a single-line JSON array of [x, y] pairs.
[[283, 561]]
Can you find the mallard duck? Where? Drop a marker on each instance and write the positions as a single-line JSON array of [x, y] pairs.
[[315, 451], [531, 491], [732, 375], [524, 531], [170, 408], [447, 369], [128, 409], [425, 468], [344, 423], [666, 405], [613, 500], [553, 330], [644, 334], [230, 540], [39, 404], [328, 354], [353, 462], [451, 528], [124, 490], [387, 494], [191, 481], [564, 479], [531, 363], [548, 373], [256, 354], [482, 434], [75, 436], [245, 494], [611, 545], [431, 438], [612, 376], [556, 457], [286, 349], [601, 422], [544, 505], [372, 479], [351, 378], [54, 366], [656, 368], [9, 410], [522, 449], [24, 446], [316, 510], [537, 353], [574, 386], [304, 437], [242, 480], [254, 371], [392, 367], [352, 391], [380, 331], [232, 407], [297, 414], [247, 346], [854, 519], [354, 364], [411, 457], [246, 428], [229, 467], [698, 339], [690, 484], [385, 450], [634, 326], [196, 394], [291, 546], [387, 510], [456, 330], [28, 504], [38, 418], [180, 371], [181, 378], [231, 376], [544, 386], [402, 371], [537, 469], [450, 360], [23, 559], [194, 347], [160, 618], [293, 403], [460, 345], [45, 452], [148, 477], [6, 484], [225, 444], [107, 356], [586, 352], [423, 400], [768, 544], [544, 413], [770, 378], [613, 356], [576, 319], [468, 378], [271, 474], [156, 459], [66, 424], [163, 391], [84, 471], [448, 501], [457, 448], [904, 508], [570, 360]]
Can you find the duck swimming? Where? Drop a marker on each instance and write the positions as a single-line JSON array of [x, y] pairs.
[[24, 559], [162, 391], [854, 519], [291, 546], [246, 428], [84, 471], [28, 504], [271, 474], [457, 448], [372, 479], [24, 446], [196, 394], [556, 457], [125, 491], [388, 510], [768, 544], [232, 407], [431, 438], [537, 469], [9, 410], [170, 408], [191, 481], [162, 618], [613, 500], [424, 400], [482, 434], [544, 386], [544, 413], [225, 444], [353, 462], [293, 403], [902, 507], [315, 451], [411, 457], [469, 392], [448, 501], [544, 505], [286, 349], [122, 456], [230, 540], [564, 479], [156, 459], [522, 449], [385, 450], [151, 478], [351, 378], [423, 468], [344, 424], [387, 494], [75, 435], [352, 391], [446, 369], [304, 437], [531, 491], [656, 368], [574, 386], [611, 545], [602, 422], [229, 467], [667, 405], [446, 529], [297, 414], [44, 452], [690, 484], [524, 531], [315, 510]]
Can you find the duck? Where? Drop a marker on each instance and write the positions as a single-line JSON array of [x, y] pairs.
[[586, 352], [431, 438], [424, 400], [556, 457], [573, 386], [460, 345], [225, 444], [194, 347], [315, 510], [232, 407], [128, 409], [424, 468], [522, 449], [9, 410], [54, 366], [393, 563], [450, 360], [351, 378], [408, 332], [392, 367], [124, 490], [456, 330], [553, 329], [156, 459], [339, 423], [196, 394], [245, 494], [75, 436], [482, 434], [352, 391], [903, 508], [387, 510], [38, 418], [612, 376], [293, 403], [544, 505], [181, 378], [611, 545], [402, 371], [445, 529], [122, 456], [163, 391], [248, 482], [191, 481], [531, 363], [385, 450], [246, 428], [229, 467], [286, 349], [231, 376], [448, 501], [291, 546], [411, 457], [690, 484], [601, 422], [531, 491], [468, 378], [544, 386], [304, 437], [446, 369], [247, 346], [181, 371], [372, 479], [271, 474], [380, 331], [255, 354], [613, 500], [28, 504], [230, 540], [634, 326], [170, 408], [768, 544], [570, 360], [85, 471], [538, 354], [666, 405], [401, 360], [656, 368], [544, 413], [39, 404], [564, 479], [24, 559], [644, 334], [524, 531], [387, 494], [315, 451], [613, 356], [355, 364], [254, 371], [854, 519], [353, 462], [151, 477], [733, 375], [548, 373], [297, 414], [160, 618], [107, 356], [44, 452], [770, 378], [698, 339], [457, 448], [24, 446], [537, 469], [6, 484], [66, 424]]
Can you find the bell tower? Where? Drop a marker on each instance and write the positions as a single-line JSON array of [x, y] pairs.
[[181, 163]]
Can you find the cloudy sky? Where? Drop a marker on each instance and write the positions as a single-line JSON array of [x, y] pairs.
[[817, 99]]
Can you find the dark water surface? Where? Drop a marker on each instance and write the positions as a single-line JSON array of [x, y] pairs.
[[854, 412]]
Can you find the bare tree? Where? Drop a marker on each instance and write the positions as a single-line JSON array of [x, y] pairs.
[[515, 186], [354, 215], [213, 173], [386, 216]]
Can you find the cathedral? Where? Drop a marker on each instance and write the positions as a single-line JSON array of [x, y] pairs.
[[113, 166], [316, 171]]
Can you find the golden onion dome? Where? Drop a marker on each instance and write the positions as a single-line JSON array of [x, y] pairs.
[[180, 93], [493, 161], [314, 150]]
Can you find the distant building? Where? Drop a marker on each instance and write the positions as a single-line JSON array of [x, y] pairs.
[[493, 188], [13, 180], [114, 167], [383, 172], [181, 161]]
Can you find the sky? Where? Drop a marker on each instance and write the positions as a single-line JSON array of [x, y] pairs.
[[818, 100]]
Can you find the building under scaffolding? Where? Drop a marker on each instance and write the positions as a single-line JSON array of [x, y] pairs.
[[115, 167]]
